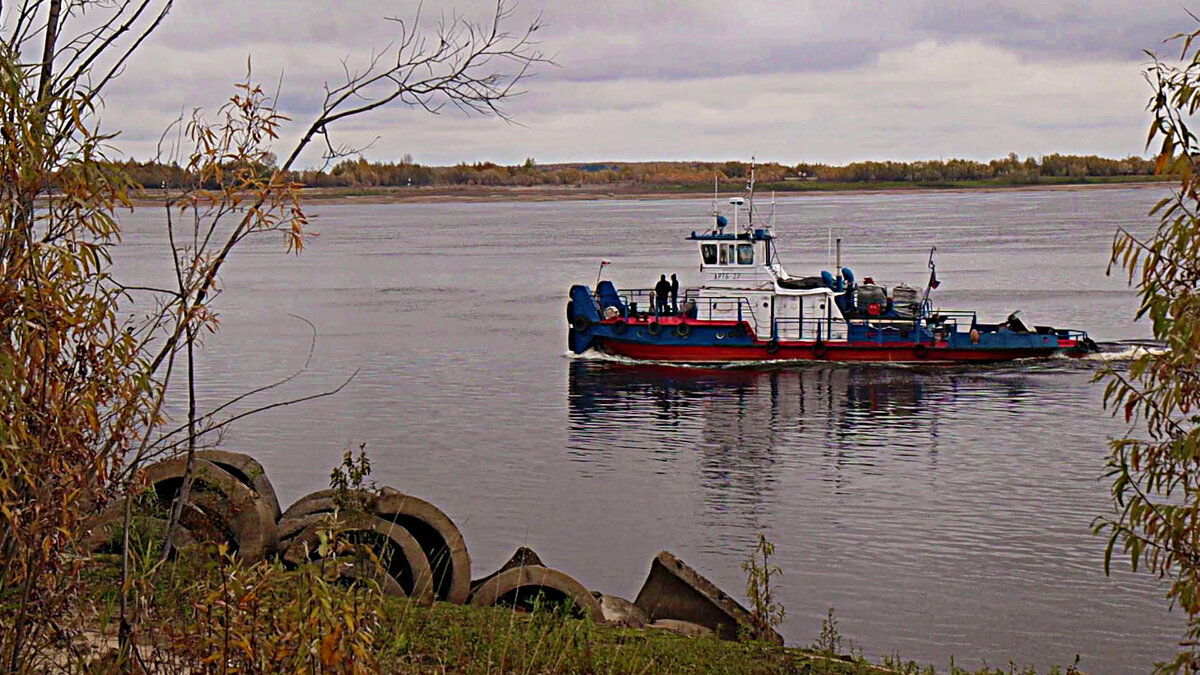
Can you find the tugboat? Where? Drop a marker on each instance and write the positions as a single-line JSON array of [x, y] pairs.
[[749, 309]]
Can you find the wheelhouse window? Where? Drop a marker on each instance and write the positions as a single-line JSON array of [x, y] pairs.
[[726, 251], [745, 254], [709, 253]]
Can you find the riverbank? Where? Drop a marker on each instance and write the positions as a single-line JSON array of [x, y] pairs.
[[633, 191], [409, 636], [362, 580], [483, 193]]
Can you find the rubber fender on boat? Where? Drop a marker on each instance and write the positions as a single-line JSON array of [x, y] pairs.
[[654, 328], [820, 350], [920, 350], [737, 331], [581, 324], [683, 330], [772, 346], [570, 311], [619, 327], [584, 303]]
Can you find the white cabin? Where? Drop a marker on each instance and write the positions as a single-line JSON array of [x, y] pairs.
[[739, 272]]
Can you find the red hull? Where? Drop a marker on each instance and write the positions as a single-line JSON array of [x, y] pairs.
[[910, 353]]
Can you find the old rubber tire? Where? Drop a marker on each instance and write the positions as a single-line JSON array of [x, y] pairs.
[[772, 346], [683, 330], [820, 350], [619, 327], [920, 350], [654, 328], [737, 331], [581, 324]]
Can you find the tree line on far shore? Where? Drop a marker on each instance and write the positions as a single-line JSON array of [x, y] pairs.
[[360, 173]]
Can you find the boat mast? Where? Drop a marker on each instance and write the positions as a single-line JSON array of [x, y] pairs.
[[715, 212], [750, 189]]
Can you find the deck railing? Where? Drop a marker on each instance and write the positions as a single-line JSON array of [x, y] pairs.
[[815, 328], [707, 308]]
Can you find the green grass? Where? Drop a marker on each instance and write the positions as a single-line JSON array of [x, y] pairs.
[[412, 637], [480, 640]]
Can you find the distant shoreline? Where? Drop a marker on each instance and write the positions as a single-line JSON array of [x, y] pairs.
[[628, 191], [479, 193]]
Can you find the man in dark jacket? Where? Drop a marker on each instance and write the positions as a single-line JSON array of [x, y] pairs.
[[674, 294], [663, 290]]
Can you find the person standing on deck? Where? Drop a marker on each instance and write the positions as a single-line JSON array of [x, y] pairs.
[[662, 289], [674, 294]]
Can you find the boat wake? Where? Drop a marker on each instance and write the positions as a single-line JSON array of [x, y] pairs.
[[763, 364], [1123, 351], [604, 357]]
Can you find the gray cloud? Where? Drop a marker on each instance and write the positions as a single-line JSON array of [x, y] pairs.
[[1071, 28], [826, 81]]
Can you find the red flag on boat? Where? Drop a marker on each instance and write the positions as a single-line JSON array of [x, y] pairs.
[[933, 281], [605, 262]]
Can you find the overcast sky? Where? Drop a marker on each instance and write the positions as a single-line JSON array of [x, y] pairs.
[[699, 79]]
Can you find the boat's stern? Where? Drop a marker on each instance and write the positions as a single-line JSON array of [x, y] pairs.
[[1076, 342], [962, 331]]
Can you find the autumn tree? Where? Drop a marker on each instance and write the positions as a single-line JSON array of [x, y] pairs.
[[81, 384], [1155, 468], [75, 390]]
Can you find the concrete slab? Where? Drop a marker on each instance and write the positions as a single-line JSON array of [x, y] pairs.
[[521, 557], [673, 590], [681, 627], [621, 612]]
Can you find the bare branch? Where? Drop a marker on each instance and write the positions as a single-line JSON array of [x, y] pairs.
[[264, 408], [458, 68]]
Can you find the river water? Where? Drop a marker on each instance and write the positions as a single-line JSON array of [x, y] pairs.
[[943, 512]]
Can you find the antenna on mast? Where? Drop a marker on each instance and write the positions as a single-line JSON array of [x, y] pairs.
[[750, 189]]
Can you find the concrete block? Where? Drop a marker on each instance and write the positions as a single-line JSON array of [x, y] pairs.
[[681, 627], [673, 590], [621, 612]]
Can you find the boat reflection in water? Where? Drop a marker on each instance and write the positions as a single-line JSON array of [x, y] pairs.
[[753, 437]]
